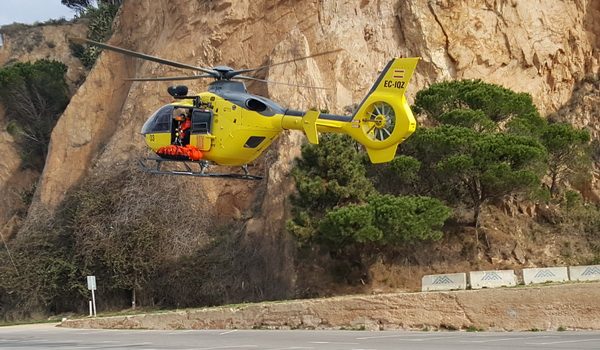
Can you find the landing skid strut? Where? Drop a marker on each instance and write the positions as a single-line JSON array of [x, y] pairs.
[[156, 168]]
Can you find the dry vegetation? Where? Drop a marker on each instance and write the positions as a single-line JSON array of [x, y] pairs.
[[121, 226], [144, 240]]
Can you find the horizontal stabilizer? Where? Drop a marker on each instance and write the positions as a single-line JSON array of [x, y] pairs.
[[309, 124]]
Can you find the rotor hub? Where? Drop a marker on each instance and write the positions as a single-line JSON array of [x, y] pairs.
[[380, 121], [224, 72], [222, 69]]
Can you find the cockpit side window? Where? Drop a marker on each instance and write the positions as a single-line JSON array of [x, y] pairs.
[[160, 121]]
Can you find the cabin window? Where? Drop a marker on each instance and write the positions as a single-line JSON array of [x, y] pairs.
[[201, 121], [160, 121], [254, 141]]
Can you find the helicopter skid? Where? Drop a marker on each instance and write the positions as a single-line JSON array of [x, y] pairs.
[[156, 168]]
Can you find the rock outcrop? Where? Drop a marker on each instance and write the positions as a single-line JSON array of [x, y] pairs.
[[540, 47]]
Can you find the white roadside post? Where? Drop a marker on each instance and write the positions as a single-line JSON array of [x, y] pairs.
[[91, 284]]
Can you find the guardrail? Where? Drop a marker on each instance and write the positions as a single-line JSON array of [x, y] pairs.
[[584, 273], [492, 279], [450, 281], [545, 274], [508, 278]]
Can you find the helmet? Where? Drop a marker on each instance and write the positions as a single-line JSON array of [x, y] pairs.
[[179, 114]]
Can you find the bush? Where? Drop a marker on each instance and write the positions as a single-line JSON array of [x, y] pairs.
[[329, 175], [477, 102], [34, 95], [385, 220], [399, 177], [122, 227], [568, 153], [99, 29], [127, 224], [38, 274], [338, 206], [464, 166]]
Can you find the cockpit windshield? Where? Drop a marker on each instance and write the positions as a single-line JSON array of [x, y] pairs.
[[160, 121]]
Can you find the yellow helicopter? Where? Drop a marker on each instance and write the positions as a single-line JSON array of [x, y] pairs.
[[228, 126]]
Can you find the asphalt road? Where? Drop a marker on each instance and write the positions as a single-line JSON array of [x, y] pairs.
[[47, 336]]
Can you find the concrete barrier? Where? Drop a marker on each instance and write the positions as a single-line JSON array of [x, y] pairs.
[[492, 279], [545, 274], [584, 273], [449, 281]]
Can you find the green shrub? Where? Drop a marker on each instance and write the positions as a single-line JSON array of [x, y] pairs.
[[99, 29], [568, 153], [399, 177], [337, 205], [34, 95], [385, 220], [464, 166], [474, 103], [329, 175]]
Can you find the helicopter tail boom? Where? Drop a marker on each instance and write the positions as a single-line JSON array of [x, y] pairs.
[[382, 121]]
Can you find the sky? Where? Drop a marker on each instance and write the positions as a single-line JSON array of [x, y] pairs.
[[30, 11]]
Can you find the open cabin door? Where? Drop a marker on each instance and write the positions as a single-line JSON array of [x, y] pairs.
[[201, 128]]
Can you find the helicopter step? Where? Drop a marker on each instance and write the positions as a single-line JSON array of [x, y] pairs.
[[156, 168]]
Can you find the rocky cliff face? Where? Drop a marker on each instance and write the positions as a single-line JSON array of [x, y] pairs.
[[12, 182], [543, 47], [540, 47]]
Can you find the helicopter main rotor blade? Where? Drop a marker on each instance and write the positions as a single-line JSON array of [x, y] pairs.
[[183, 77], [141, 55], [241, 71], [245, 77]]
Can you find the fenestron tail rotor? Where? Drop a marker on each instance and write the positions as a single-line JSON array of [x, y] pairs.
[[380, 121]]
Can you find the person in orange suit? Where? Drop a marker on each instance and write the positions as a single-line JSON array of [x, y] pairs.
[[185, 124]]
